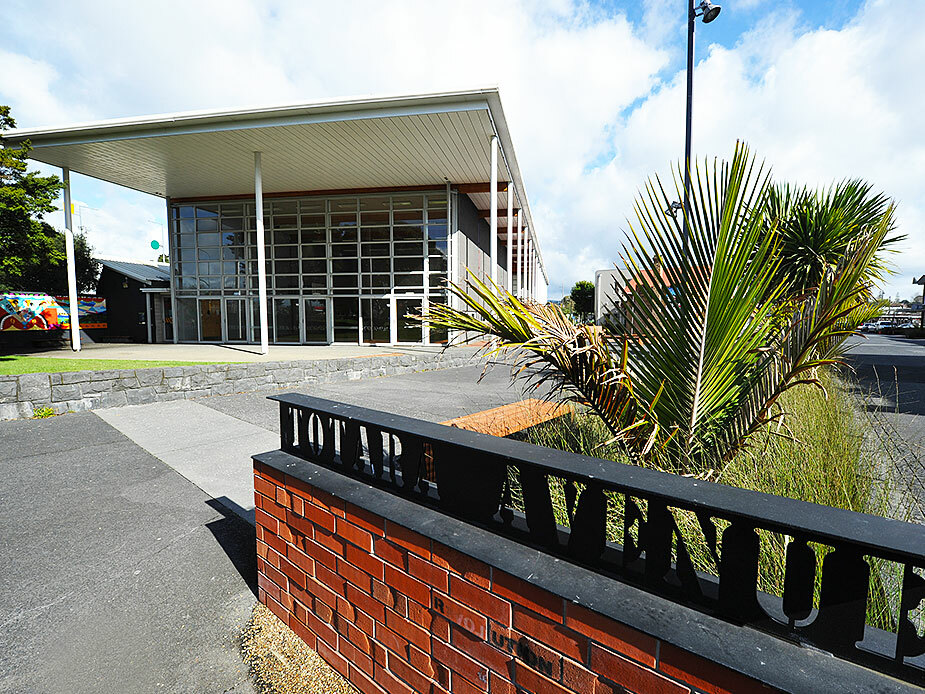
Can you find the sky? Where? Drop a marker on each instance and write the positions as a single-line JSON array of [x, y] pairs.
[[821, 90]]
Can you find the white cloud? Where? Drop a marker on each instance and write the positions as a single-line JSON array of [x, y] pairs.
[[591, 111]]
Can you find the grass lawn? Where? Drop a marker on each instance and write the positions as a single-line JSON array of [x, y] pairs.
[[14, 364]]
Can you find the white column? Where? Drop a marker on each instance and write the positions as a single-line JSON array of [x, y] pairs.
[[520, 254], [493, 219], [71, 261], [510, 231], [148, 317], [261, 258]]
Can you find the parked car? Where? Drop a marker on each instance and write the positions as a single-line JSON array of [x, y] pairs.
[[907, 325], [883, 326], [869, 327]]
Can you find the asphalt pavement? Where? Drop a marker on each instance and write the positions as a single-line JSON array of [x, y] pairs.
[[127, 566]]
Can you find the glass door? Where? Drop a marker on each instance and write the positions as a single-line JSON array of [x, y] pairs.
[[377, 323], [286, 320], [346, 319], [316, 320], [168, 320], [408, 330], [210, 320], [235, 320]]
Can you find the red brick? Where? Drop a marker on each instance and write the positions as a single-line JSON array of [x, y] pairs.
[[407, 630], [461, 664], [418, 682], [286, 534], [274, 509], [366, 603], [351, 533], [275, 575], [328, 502], [407, 586], [355, 656], [297, 504], [266, 520], [363, 560], [314, 590], [420, 615], [630, 674], [333, 658], [302, 488], [500, 685], [282, 497], [264, 487], [461, 615], [390, 682], [345, 610], [703, 674], [293, 573], [487, 653], [302, 526], [434, 576], [267, 471], [364, 623], [393, 554], [301, 560], [268, 586], [391, 640], [410, 540], [424, 664], [440, 628], [278, 610], [262, 549], [321, 555], [459, 563], [323, 611], [304, 633], [535, 683], [330, 579], [531, 653], [577, 677], [365, 519], [556, 636], [330, 540], [363, 682], [619, 637], [272, 539], [530, 596], [356, 576], [323, 631], [481, 600], [320, 517]]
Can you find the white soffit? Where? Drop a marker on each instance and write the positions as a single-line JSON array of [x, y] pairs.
[[330, 145]]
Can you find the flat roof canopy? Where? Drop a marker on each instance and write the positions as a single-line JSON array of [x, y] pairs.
[[363, 143]]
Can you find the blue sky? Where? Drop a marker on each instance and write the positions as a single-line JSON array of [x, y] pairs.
[[594, 92]]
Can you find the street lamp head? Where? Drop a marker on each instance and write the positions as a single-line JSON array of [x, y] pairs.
[[709, 11]]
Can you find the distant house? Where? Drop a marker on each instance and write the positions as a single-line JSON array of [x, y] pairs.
[[137, 296]]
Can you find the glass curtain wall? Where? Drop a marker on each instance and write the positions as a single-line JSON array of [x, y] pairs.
[[370, 260]]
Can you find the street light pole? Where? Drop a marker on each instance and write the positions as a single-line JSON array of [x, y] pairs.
[[708, 11]]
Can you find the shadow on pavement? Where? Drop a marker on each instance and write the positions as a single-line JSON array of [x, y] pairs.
[[238, 539]]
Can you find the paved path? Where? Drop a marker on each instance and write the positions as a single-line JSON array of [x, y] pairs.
[[118, 575], [122, 568], [209, 441]]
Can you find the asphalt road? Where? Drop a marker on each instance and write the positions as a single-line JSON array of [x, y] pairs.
[[889, 372]]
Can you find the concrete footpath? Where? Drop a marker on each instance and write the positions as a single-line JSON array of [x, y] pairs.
[[126, 566], [210, 440]]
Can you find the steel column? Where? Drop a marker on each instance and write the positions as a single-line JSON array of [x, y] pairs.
[[71, 260], [493, 224], [261, 257], [510, 231]]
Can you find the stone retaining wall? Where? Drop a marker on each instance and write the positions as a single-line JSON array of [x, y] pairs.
[[76, 391]]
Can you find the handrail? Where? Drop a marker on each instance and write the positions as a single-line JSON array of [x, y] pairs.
[[476, 477]]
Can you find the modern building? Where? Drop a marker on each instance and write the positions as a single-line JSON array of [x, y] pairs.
[[138, 302], [339, 217]]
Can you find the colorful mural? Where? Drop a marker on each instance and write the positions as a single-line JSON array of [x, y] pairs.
[[28, 312], [91, 311]]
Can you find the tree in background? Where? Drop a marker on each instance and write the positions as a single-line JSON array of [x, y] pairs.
[[32, 252], [582, 295], [567, 305]]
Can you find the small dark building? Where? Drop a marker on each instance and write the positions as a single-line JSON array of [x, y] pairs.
[[137, 300]]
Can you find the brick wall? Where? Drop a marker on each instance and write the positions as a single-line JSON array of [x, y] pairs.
[[394, 611]]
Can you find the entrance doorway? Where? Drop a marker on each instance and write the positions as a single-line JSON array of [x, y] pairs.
[[377, 323], [235, 320], [316, 321], [286, 320], [210, 320]]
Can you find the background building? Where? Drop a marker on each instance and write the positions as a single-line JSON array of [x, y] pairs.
[[367, 208]]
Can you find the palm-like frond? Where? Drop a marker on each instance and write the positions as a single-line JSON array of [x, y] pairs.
[[580, 362]]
